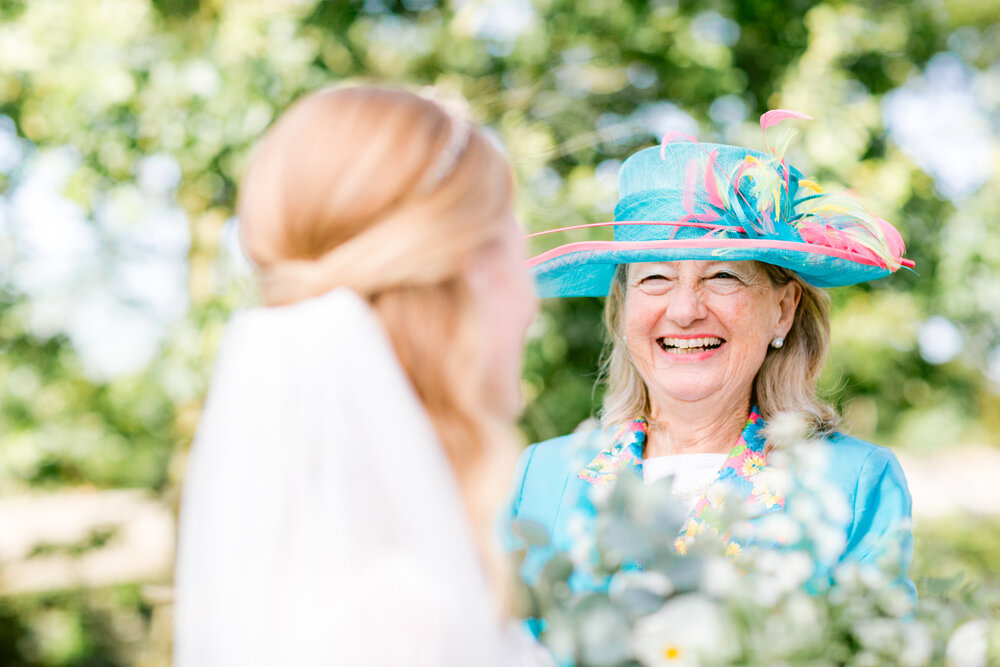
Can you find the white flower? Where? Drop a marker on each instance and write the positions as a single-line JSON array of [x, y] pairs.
[[805, 509], [874, 578], [877, 634], [716, 495], [600, 493], [720, 577], [686, 631], [581, 551], [835, 505], [829, 542], [917, 645], [652, 581], [780, 528], [897, 602], [784, 571], [967, 646], [802, 611], [811, 457], [578, 525], [786, 429], [775, 481]]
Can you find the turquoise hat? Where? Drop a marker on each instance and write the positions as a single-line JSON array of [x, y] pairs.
[[689, 200]]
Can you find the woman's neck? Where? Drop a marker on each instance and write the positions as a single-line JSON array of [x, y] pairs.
[[695, 428]]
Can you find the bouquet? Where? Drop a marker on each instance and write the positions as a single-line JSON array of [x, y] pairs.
[[716, 605]]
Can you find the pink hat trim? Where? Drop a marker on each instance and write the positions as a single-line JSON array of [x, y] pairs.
[[595, 246]]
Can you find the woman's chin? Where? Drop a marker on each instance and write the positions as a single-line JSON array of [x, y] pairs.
[[691, 396], [676, 387]]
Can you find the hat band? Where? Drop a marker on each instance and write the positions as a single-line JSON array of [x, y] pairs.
[[657, 223], [799, 246]]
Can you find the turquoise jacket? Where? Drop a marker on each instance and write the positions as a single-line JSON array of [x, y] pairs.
[[550, 490]]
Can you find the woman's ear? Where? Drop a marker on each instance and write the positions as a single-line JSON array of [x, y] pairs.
[[789, 295]]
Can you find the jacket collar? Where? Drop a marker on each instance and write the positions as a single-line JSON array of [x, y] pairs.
[[744, 475]]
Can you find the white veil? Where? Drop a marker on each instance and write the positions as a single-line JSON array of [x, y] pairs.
[[320, 522]]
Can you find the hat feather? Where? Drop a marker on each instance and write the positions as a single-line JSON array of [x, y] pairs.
[[715, 196], [840, 221], [762, 187]]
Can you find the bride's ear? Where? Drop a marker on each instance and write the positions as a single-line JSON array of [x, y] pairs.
[[484, 270], [477, 272]]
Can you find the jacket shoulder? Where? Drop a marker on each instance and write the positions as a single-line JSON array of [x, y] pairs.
[[870, 476], [567, 453], [854, 457], [545, 468]]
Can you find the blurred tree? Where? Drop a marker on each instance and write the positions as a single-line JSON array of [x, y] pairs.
[[125, 124]]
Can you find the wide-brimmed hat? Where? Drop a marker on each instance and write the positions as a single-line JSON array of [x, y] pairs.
[[697, 201]]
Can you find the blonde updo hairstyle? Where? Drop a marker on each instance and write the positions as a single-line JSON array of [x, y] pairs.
[[387, 193], [786, 382]]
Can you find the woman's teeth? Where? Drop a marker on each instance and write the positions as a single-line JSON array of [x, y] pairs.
[[689, 345]]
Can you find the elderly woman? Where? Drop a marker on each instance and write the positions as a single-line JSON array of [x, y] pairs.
[[717, 323]]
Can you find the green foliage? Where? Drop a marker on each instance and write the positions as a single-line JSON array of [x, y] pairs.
[[966, 548], [579, 88], [108, 628]]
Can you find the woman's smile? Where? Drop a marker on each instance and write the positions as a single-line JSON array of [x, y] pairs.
[[693, 347]]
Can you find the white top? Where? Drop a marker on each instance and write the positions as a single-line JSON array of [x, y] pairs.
[[692, 473]]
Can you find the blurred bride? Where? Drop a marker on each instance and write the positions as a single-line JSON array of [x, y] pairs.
[[357, 437]]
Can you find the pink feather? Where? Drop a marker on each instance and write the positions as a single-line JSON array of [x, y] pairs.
[[669, 138], [892, 238], [740, 172], [775, 116], [856, 231], [711, 183]]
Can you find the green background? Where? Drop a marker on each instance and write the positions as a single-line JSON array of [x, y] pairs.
[[571, 88]]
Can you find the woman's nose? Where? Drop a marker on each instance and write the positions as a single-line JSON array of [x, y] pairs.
[[685, 306]]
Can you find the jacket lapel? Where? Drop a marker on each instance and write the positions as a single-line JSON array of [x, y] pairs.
[[624, 455]]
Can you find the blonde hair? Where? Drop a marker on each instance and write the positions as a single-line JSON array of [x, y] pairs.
[[785, 383], [385, 192]]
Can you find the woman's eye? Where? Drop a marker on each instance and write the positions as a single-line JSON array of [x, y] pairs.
[[726, 275], [654, 284]]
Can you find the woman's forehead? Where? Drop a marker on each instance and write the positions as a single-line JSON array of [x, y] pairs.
[[695, 265]]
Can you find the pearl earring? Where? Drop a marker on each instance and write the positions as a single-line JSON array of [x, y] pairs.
[[777, 342]]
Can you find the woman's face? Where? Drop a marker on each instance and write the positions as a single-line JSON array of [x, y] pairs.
[[699, 330], [505, 292]]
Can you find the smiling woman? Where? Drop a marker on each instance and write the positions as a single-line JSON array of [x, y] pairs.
[[702, 326], [717, 326], [785, 382]]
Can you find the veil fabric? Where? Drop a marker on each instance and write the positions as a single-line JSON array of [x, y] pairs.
[[321, 523]]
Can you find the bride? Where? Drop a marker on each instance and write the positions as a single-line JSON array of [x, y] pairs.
[[357, 437]]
